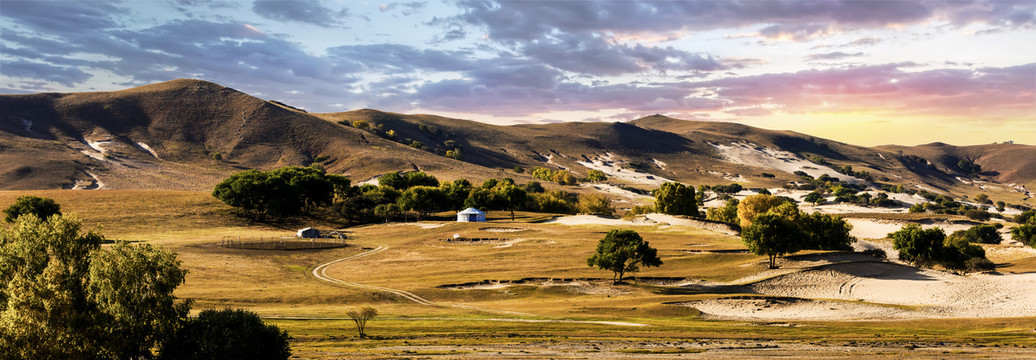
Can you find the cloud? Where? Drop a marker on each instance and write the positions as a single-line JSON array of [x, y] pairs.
[[837, 55], [395, 57], [64, 75], [753, 111], [303, 11]]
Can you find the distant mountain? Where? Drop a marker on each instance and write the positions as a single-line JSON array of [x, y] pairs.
[[189, 134]]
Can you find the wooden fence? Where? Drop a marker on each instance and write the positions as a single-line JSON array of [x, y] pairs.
[[281, 243]]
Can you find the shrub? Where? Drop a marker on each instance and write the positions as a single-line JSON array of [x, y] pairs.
[[676, 199], [978, 215], [227, 334], [595, 204], [984, 234], [43, 208]]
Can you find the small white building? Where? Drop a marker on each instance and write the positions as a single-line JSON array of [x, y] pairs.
[[471, 215], [308, 233]]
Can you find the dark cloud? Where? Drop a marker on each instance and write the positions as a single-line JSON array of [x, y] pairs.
[[64, 75], [303, 11], [837, 55], [395, 57]]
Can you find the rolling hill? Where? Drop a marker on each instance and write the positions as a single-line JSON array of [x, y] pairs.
[[189, 134]]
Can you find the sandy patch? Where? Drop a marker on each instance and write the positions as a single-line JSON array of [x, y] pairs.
[[933, 293], [598, 220], [615, 190], [879, 229], [96, 184], [770, 309], [608, 165], [147, 148], [502, 229], [747, 153]]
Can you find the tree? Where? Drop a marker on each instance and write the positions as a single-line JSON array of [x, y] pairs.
[[826, 232], [984, 234], [727, 213], [420, 178], [921, 247], [1025, 233], [310, 185], [62, 297], [45, 312], [456, 192], [815, 198], [43, 208], [361, 317], [387, 211], [676, 199], [259, 194], [596, 176], [227, 334], [595, 204], [393, 180], [512, 197], [754, 205], [772, 235], [132, 287], [422, 199], [623, 251], [1027, 216]]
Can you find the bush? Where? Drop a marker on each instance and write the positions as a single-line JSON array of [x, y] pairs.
[[676, 199], [877, 253], [43, 208], [978, 215], [979, 264], [983, 234], [1025, 234], [227, 334], [727, 213], [595, 204]]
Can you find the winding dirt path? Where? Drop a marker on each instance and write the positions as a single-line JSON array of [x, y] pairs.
[[320, 272]]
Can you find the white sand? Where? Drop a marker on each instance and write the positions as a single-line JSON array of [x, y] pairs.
[[147, 148], [609, 167], [879, 229], [747, 153]]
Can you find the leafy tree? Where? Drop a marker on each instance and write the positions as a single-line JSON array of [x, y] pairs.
[[45, 312], [815, 198], [512, 197], [489, 184], [43, 208], [361, 317], [596, 176], [772, 235], [826, 232], [969, 167], [310, 185], [455, 154], [534, 187], [1025, 233], [341, 186], [258, 194], [456, 192], [595, 204], [984, 234], [921, 247], [754, 205], [387, 211], [1026, 217], [393, 180], [978, 215], [623, 251], [482, 198], [552, 202], [132, 287], [676, 199], [227, 334], [422, 199], [733, 188], [62, 297], [727, 213], [420, 178]]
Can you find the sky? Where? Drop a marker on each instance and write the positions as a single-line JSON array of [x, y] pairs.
[[870, 72]]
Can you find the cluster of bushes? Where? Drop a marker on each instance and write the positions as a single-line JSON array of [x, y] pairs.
[[1025, 232], [63, 296], [848, 170], [942, 204], [928, 247], [281, 192], [969, 167], [449, 148], [851, 195], [982, 234], [824, 183], [898, 189], [774, 226], [562, 177]]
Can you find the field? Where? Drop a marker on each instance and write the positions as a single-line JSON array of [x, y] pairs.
[[527, 293]]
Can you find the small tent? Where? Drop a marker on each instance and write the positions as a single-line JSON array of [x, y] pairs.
[[308, 233], [471, 215]]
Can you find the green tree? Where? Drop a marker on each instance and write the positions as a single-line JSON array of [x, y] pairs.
[[1026, 217], [595, 204], [727, 213], [512, 197], [826, 232], [921, 247], [814, 198], [456, 192], [227, 334], [596, 176], [309, 185], [45, 312], [387, 211], [1025, 234], [393, 180], [43, 208], [772, 235], [420, 178], [132, 287], [258, 194], [676, 199], [623, 251], [422, 199], [984, 234]]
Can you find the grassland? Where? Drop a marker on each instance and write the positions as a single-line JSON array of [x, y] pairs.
[[534, 319]]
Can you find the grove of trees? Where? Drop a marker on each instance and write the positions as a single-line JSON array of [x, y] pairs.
[[928, 247], [676, 199]]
